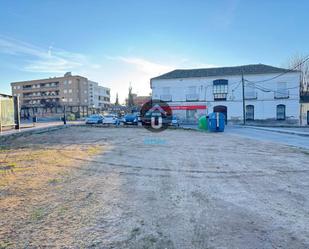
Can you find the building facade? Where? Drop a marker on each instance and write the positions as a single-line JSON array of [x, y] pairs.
[[48, 96], [99, 96], [271, 94], [141, 100]]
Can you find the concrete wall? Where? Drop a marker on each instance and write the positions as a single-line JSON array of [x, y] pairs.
[[304, 114]]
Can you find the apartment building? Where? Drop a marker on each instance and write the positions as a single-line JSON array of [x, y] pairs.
[[45, 96], [99, 96], [271, 93]]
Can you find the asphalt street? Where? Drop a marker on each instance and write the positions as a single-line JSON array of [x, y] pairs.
[[270, 136]]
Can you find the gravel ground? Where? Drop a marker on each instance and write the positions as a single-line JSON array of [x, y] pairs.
[[174, 189]]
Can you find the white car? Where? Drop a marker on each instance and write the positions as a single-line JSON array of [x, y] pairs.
[[110, 119], [94, 119]]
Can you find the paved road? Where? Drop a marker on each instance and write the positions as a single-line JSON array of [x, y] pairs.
[[263, 135]]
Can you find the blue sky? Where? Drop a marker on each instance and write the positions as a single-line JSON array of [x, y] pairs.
[[118, 42]]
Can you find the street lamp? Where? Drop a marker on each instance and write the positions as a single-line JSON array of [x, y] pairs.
[[64, 111]]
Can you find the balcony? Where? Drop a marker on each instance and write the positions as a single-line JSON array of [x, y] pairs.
[[250, 95], [192, 97], [39, 87], [220, 96], [49, 85], [281, 94], [41, 95], [166, 97]]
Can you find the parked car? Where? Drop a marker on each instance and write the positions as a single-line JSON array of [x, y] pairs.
[[110, 119], [121, 119], [146, 119], [131, 119], [175, 121], [94, 119]]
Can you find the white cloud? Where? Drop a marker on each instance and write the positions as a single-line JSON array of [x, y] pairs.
[[40, 60], [145, 66]]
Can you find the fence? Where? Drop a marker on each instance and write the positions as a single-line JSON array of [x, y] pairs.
[[7, 117]]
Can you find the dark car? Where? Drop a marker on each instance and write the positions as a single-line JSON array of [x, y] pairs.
[[146, 119], [130, 119]]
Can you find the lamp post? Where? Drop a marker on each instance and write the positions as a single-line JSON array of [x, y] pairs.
[[64, 112]]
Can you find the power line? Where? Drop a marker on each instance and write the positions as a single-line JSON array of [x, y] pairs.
[[236, 86], [263, 89], [287, 71]]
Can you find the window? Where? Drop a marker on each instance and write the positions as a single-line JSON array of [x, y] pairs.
[[250, 92], [220, 89], [70, 81], [282, 91], [250, 112], [85, 91], [192, 96], [65, 91], [70, 90], [280, 112], [70, 100], [65, 82]]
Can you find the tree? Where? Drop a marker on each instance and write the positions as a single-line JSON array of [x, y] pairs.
[[117, 100], [297, 62], [130, 97]]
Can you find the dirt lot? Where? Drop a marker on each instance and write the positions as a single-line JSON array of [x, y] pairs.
[[87, 187]]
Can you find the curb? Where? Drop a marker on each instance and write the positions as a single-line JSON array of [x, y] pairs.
[[302, 134], [14, 135]]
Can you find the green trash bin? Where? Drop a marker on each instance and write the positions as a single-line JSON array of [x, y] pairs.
[[203, 123]]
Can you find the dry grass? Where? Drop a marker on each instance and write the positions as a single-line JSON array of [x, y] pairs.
[[28, 174], [34, 167]]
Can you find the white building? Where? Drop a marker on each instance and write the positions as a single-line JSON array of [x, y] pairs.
[[99, 96], [271, 93]]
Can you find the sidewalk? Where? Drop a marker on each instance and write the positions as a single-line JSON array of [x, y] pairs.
[[292, 131], [28, 127]]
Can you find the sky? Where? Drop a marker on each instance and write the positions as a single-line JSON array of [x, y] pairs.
[[118, 43]]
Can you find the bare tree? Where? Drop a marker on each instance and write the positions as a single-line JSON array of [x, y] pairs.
[[297, 62], [130, 98]]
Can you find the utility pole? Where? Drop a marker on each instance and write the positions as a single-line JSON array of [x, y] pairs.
[[64, 112], [16, 112], [243, 98], [64, 115]]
